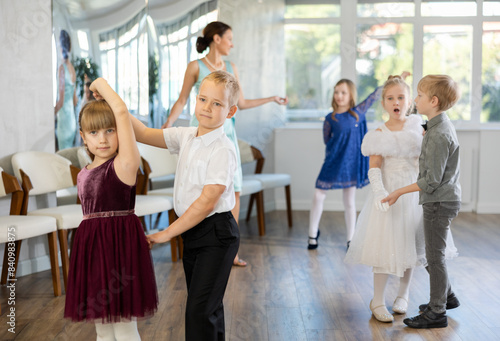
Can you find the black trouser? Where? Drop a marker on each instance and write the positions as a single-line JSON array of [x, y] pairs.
[[209, 251]]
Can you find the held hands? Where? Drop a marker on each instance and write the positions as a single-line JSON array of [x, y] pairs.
[[391, 198], [94, 87], [379, 192], [157, 238], [281, 100]]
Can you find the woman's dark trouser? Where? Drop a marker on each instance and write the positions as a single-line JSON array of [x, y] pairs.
[[209, 251]]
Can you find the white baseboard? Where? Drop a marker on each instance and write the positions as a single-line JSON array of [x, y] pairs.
[[34, 265], [488, 208]]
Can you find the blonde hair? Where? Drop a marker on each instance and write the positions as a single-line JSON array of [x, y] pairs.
[[96, 115], [352, 102], [441, 86], [229, 81], [397, 80]]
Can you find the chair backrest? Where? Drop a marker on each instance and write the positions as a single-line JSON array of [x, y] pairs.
[[10, 185], [160, 160], [77, 155], [47, 172], [249, 153]]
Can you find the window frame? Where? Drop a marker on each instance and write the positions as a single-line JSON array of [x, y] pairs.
[[348, 29]]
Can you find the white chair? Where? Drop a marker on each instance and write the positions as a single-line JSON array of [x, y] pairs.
[[44, 173], [15, 228], [250, 153], [162, 166], [79, 158]]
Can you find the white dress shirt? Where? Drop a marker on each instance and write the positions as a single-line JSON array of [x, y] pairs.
[[206, 160]]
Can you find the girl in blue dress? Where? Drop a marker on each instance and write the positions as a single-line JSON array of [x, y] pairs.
[[218, 37], [344, 166]]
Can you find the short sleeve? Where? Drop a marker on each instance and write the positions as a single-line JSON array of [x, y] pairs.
[[222, 166], [174, 137]]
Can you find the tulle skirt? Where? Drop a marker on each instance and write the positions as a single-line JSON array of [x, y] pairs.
[[111, 276], [392, 241]]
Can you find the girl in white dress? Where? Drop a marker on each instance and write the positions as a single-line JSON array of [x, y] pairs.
[[392, 240]]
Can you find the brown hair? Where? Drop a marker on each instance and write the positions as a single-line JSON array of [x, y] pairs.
[[352, 102], [96, 115], [65, 41], [441, 86], [397, 80], [229, 81], [213, 28]]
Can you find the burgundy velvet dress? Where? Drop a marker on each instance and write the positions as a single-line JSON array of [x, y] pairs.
[[111, 275]]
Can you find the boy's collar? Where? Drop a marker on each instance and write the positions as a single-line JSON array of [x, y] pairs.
[[437, 119], [210, 137]]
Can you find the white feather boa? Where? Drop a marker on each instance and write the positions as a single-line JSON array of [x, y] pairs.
[[404, 143]]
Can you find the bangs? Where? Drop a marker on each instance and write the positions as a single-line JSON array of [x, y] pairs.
[[96, 115]]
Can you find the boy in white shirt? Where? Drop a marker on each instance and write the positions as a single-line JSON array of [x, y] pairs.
[[203, 199]]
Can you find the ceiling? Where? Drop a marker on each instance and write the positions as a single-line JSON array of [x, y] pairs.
[[91, 9]]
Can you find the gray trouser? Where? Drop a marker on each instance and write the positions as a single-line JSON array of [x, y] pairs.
[[437, 219]]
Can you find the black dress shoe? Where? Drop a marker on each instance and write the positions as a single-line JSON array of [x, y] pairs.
[[452, 302], [428, 319], [313, 246]]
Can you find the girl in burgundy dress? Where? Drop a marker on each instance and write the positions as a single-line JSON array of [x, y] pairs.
[[111, 277]]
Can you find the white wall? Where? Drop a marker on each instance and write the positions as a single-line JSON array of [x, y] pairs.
[[27, 113]]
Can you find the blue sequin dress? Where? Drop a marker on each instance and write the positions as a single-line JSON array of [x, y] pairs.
[[344, 165]]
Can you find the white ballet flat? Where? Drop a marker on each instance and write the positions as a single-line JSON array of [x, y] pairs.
[[381, 313], [400, 305]]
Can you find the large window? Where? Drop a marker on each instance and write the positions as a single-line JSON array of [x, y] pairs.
[[372, 39], [382, 50], [178, 48], [448, 50], [491, 73], [124, 60], [312, 59]]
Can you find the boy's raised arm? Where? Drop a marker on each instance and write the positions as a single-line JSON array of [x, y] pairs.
[[151, 136]]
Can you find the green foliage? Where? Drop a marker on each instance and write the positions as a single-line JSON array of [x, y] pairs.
[[153, 76], [84, 66], [309, 50]]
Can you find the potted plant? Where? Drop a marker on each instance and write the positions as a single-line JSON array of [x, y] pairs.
[[84, 66]]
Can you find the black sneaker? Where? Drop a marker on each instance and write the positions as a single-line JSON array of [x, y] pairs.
[[428, 319], [452, 302]]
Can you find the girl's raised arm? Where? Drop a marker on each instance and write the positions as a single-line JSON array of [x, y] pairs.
[[128, 159]]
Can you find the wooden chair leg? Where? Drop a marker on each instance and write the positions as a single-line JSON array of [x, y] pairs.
[[288, 205], [260, 213], [143, 222], [54, 263], [173, 249], [5, 267], [181, 246], [157, 221], [250, 205], [63, 243], [175, 246]]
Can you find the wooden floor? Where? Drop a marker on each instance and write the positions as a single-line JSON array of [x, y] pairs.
[[290, 293]]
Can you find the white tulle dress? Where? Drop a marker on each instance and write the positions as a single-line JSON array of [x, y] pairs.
[[393, 241]]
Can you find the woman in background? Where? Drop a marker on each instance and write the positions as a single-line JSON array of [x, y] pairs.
[[66, 102]]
